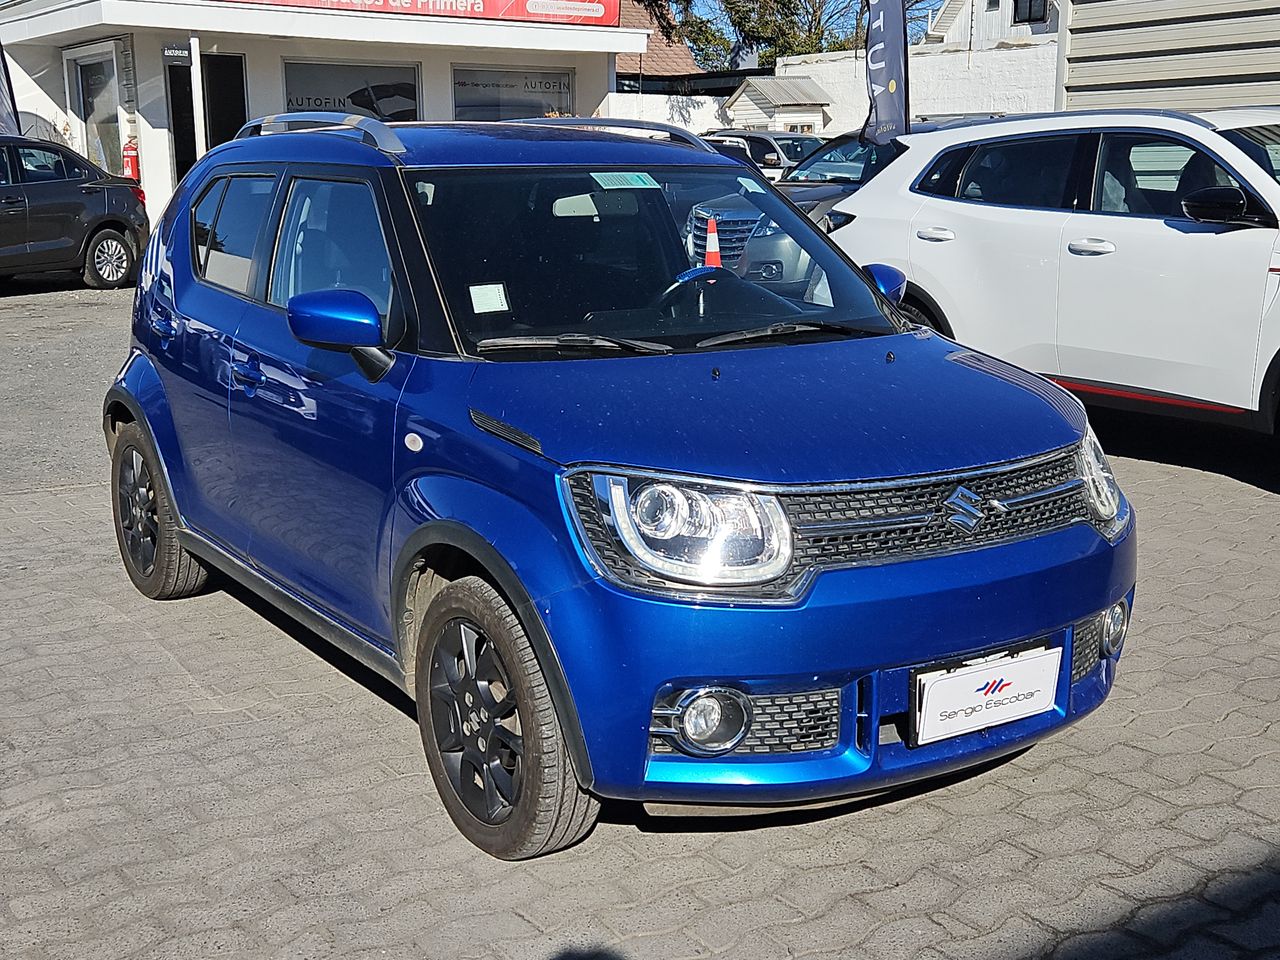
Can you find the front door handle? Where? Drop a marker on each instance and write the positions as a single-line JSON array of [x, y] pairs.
[[248, 374], [936, 234], [10, 200], [1091, 247]]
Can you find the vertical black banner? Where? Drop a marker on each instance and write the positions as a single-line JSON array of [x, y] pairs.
[[8, 105], [889, 115]]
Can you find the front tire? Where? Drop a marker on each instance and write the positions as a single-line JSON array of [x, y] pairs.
[[146, 522], [108, 261], [490, 731]]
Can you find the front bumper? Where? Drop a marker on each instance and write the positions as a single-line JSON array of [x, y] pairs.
[[860, 631]]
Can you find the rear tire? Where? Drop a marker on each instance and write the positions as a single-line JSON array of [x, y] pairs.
[[146, 523], [490, 731], [108, 261]]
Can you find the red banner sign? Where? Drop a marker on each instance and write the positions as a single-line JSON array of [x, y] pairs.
[[596, 13]]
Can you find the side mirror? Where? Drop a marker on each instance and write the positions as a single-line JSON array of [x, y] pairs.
[[335, 320], [890, 281], [772, 160], [1215, 205]]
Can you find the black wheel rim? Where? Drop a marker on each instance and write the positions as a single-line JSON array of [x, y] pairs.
[[476, 722], [136, 496]]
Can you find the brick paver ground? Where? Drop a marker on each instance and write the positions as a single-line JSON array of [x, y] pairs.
[[205, 778]]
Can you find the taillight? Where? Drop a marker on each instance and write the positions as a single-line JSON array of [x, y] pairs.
[[137, 192]]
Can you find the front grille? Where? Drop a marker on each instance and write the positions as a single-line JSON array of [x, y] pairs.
[[732, 231], [1086, 647], [784, 723], [885, 521]]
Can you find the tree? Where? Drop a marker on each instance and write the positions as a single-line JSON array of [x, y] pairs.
[[774, 28]]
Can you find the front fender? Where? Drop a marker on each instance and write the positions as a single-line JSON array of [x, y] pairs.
[[524, 545]]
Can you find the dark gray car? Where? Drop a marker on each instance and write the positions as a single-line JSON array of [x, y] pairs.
[[60, 212]]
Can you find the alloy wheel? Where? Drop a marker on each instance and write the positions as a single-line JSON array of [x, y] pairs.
[[111, 260], [136, 494], [476, 722]]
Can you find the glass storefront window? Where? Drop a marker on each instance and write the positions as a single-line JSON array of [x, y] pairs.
[[511, 94], [371, 90]]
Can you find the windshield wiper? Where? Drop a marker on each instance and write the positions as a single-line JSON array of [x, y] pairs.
[[571, 341], [780, 330]]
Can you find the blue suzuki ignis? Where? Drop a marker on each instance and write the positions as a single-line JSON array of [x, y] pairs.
[[603, 452]]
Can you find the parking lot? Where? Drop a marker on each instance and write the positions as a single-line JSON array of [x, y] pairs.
[[206, 778]]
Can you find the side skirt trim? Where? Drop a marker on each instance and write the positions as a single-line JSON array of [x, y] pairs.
[[355, 646]]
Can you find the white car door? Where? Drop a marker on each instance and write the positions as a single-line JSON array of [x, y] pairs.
[[985, 246], [1151, 303]]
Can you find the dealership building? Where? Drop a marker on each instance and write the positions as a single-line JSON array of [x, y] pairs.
[[176, 77]]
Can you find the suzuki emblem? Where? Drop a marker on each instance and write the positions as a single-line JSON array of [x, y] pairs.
[[965, 509]]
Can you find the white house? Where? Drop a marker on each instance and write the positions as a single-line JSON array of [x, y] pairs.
[[794, 104], [977, 56]]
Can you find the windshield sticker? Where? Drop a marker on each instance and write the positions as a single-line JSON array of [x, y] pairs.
[[489, 298], [750, 185], [626, 181]]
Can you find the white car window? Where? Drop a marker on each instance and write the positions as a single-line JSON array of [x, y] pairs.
[[1025, 172], [1149, 175]]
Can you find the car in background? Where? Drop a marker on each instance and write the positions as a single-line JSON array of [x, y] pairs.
[[625, 523], [1132, 255], [59, 211], [772, 151]]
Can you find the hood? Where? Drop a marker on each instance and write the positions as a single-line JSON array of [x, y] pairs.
[[800, 413], [802, 192]]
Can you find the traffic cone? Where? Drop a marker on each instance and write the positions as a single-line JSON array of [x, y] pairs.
[[713, 245]]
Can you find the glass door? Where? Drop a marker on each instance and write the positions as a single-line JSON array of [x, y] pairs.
[[94, 84]]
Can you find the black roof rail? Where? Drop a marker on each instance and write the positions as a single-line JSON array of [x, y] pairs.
[[373, 132], [678, 134]]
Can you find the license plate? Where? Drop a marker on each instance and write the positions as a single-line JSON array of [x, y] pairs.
[[979, 694]]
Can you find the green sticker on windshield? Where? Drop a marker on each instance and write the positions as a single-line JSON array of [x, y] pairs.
[[626, 181]]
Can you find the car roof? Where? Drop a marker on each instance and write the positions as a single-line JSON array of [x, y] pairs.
[[1232, 118], [472, 145]]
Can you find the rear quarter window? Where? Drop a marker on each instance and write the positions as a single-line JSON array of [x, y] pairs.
[[226, 225]]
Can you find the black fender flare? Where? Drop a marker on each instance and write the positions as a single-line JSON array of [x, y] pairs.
[[461, 537], [1269, 397]]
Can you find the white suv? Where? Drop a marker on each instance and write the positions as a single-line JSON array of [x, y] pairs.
[[1132, 256]]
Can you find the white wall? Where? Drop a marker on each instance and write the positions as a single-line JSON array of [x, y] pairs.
[[1007, 79], [696, 114]]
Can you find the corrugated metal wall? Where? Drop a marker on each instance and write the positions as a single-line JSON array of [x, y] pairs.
[[1195, 54]]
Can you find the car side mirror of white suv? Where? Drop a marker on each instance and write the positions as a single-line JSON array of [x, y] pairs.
[[1215, 205]]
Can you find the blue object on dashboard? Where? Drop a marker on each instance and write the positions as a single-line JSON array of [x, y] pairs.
[[750, 542]]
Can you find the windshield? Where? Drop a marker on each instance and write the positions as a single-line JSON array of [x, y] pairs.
[[538, 253], [1260, 143], [797, 148], [846, 161]]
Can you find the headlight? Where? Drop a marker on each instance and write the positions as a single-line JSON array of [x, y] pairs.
[[1099, 481], [766, 228], [690, 532]]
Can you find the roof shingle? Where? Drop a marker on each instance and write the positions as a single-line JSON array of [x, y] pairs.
[[661, 59]]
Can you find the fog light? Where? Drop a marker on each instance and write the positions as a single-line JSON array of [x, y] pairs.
[[1115, 624], [711, 720]]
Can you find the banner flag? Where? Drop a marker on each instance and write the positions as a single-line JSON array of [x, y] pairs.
[[890, 112]]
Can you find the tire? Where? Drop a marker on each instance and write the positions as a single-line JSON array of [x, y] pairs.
[[918, 315], [108, 261], [512, 805], [146, 524]]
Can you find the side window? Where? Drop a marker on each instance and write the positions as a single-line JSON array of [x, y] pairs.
[[41, 165], [202, 222], [6, 174], [1148, 174], [940, 180], [233, 233], [1033, 173], [758, 147], [331, 239], [75, 167]]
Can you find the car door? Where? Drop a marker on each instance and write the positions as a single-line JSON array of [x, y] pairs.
[[314, 437], [60, 204], [192, 311], [1150, 301], [13, 214], [984, 243]]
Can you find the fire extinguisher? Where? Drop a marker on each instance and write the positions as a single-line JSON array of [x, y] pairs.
[[130, 159]]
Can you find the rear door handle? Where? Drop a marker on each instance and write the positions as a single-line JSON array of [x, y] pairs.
[[162, 325], [248, 374], [936, 234], [1091, 247]]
